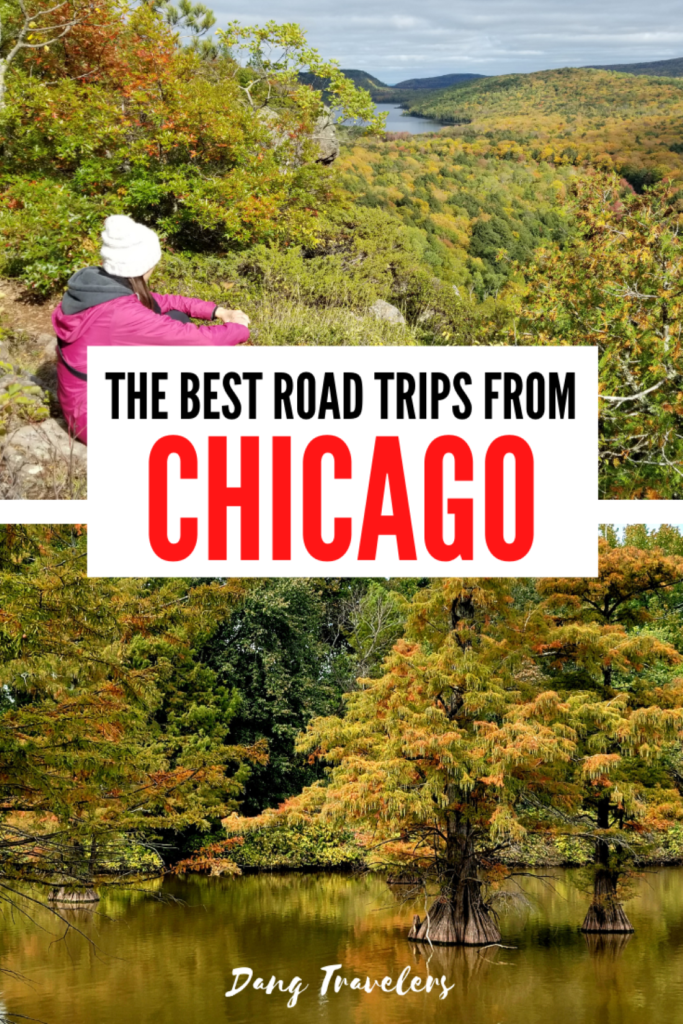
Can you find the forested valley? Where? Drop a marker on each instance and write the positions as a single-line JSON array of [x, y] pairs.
[[547, 210]]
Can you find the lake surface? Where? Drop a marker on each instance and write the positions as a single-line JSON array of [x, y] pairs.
[[396, 122], [161, 963]]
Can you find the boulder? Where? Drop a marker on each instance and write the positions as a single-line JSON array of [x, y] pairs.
[[41, 460], [47, 370], [382, 310], [325, 134], [49, 346], [38, 458]]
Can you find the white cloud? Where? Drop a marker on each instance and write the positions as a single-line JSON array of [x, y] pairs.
[[388, 39]]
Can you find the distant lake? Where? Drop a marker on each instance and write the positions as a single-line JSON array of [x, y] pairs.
[[396, 122]]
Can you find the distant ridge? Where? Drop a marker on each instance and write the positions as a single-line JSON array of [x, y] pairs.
[[360, 78], [383, 93], [364, 80], [664, 68], [440, 82]]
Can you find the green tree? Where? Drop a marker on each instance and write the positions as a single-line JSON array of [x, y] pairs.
[[364, 619], [195, 20], [617, 285], [271, 655]]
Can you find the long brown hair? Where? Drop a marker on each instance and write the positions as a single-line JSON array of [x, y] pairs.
[[141, 289]]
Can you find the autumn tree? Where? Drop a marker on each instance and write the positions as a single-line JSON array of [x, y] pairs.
[[489, 722], [629, 718], [434, 758], [111, 733], [121, 116], [29, 28]]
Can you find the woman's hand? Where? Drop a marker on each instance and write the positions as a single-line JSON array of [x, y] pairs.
[[231, 316]]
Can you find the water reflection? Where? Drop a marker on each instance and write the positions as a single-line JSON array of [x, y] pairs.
[[160, 963], [608, 946], [460, 962], [397, 121]]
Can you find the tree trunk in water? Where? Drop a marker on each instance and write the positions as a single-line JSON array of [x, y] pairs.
[[92, 861], [73, 891], [605, 913], [459, 916]]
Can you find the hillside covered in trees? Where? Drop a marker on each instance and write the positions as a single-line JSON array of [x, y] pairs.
[[547, 211], [471, 198], [672, 68], [550, 202], [614, 121]]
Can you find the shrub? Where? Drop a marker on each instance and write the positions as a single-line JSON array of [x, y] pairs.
[[317, 845]]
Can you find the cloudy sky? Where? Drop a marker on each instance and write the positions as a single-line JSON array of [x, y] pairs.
[[406, 38]]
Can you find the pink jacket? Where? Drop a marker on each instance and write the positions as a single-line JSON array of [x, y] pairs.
[[126, 321]]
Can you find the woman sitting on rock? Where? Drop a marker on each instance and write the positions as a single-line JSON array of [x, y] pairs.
[[113, 305]]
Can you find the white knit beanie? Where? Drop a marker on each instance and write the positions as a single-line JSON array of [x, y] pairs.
[[128, 249]]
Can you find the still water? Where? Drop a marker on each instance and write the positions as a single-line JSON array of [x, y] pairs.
[[396, 122], [157, 963]]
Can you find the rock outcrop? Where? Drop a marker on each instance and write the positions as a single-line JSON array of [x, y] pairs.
[[382, 310], [324, 135], [38, 458]]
